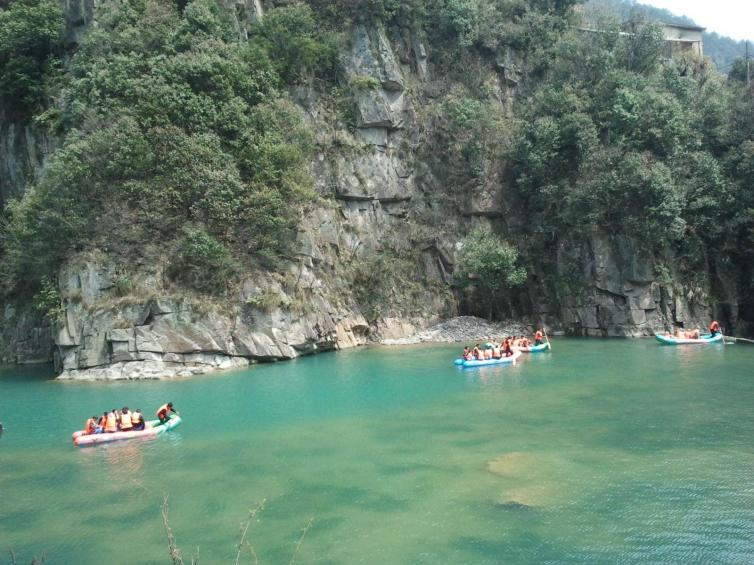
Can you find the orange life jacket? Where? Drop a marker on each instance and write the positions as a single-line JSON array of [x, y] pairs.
[[112, 424], [714, 327], [538, 335], [164, 410], [125, 421], [91, 426], [136, 418]]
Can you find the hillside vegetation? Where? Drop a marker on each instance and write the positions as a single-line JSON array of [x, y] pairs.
[[179, 135], [721, 49]]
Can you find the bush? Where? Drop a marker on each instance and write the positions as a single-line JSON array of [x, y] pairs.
[[489, 263], [30, 44], [47, 301], [298, 45], [204, 263]]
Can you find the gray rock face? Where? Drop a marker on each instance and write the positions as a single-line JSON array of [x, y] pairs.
[[372, 55], [23, 150], [624, 297], [100, 337], [26, 337]]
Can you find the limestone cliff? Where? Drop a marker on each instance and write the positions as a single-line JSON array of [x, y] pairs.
[[383, 187]]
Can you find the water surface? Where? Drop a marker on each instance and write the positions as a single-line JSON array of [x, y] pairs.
[[601, 451]]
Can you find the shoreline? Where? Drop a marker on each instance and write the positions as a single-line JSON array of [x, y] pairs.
[[459, 330]]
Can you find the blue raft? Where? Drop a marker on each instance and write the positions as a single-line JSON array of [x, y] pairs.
[[535, 348], [476, 363], [665, 340]]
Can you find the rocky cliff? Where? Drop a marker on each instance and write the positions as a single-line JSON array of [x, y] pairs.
[[382, 187]]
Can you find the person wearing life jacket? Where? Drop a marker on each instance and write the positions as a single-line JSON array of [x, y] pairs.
[[137, 419], [507, 351], [538, 337], [714, 328], [163, 413], [126, 424], [477, 352], [102, 422], [496, 351], [91, 426], [111, 423]]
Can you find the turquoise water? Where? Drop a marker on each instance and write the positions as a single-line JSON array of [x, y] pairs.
[[602, 451]]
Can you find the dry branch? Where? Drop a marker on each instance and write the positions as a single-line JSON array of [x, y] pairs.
[[301, 539]]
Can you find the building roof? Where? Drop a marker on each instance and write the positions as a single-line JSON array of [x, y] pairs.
[[682, 26]]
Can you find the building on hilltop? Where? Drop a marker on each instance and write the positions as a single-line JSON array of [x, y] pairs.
[[683, 39], [679, 38]]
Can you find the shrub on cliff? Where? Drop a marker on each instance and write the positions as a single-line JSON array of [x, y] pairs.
[[30, 44], [488, 263], [170, 119], [299, 46], [203, 263]]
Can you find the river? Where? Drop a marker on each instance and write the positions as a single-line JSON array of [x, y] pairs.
[[602, 451]]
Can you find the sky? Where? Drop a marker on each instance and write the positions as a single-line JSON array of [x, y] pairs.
[[734, 18]]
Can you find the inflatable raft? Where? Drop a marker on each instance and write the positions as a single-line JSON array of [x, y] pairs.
[[476, 363], [152, 428], [717, 338], [534, 348]]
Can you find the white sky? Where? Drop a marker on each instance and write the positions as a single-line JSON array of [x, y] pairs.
[[734, 18]]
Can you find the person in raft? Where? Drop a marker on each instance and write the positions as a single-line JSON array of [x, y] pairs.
[[111, 422], [137, 419], [477, 353], [164, 412], [467, 356], [507, 351], [538, 337], [101, 423], [126, 423], [714, 328], [91, 426]]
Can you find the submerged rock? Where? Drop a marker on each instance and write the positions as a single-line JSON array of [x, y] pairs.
[[512, 505], [512, 464]]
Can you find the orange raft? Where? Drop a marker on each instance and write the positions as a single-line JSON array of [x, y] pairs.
[[153, 428]]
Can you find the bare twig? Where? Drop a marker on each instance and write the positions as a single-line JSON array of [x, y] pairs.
[[245, 530], [12, 557], [175, 553], [301, 539]]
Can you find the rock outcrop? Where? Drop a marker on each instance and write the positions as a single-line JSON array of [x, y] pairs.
[[382, 189], [617, 292], [101, 336]]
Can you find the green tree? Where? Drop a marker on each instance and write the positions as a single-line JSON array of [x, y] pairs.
[[489, 263], [30, 47]]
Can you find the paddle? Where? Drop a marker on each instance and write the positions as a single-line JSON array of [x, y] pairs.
[[740, 339], [549, 345]]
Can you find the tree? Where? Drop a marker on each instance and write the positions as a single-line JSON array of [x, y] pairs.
[[30, 42], [489, 264]]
